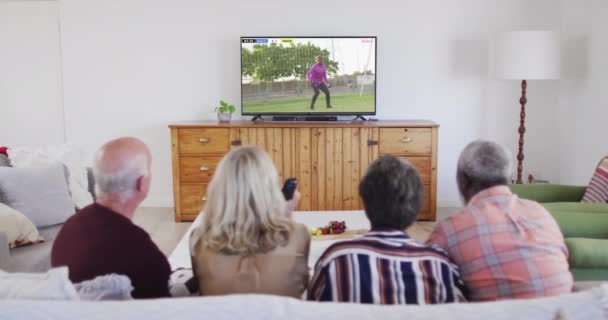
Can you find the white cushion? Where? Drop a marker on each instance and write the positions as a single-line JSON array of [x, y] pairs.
[[66, 154], [53, 285], [41, 194], [17, 227]]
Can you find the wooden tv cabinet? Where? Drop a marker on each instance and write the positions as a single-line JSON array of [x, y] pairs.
[[328, 158]]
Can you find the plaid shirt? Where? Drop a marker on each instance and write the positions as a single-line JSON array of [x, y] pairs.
[[505, 247], [385, 267]]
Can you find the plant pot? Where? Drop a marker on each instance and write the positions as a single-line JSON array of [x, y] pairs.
[[224, 116]]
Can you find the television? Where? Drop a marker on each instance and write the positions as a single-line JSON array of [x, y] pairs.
[[308, 76]]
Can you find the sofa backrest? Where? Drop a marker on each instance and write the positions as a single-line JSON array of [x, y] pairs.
[[592, 304]]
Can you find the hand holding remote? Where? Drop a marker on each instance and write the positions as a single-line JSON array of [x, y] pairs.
[[293, 203]]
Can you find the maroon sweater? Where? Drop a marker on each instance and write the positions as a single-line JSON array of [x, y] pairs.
[[98, 241]]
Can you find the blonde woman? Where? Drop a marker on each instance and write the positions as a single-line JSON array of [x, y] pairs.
[[248, 242]]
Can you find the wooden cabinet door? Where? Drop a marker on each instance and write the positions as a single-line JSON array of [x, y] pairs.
[[369, 143], [351, 169], [269, 139], [340, 157], [289, 149], [297, 163]]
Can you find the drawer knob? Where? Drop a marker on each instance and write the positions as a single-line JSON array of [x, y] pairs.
[[204, 198], [204, 168], [204, 139], [406, 139]]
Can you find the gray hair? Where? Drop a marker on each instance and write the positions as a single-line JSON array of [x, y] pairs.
[[392, 193], [123, 181], [483, 164]]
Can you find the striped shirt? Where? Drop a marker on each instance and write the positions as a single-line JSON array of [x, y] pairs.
[[505, 247], [385, 267]]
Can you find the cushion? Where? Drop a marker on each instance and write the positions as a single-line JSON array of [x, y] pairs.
[[53, 285], [41, 194], [106, 287], [36, 258], [71, 157], [575, 207], [580, 224], [544, 193], [19, 230], [589, 274], [597, 191], [4, 162], [588, 253]]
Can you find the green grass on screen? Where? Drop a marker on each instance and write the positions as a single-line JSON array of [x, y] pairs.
[[341, 102]]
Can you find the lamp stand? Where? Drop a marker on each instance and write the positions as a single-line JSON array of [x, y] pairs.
[[521, 130]]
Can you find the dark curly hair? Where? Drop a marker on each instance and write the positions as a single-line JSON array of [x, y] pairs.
[[392, 193]]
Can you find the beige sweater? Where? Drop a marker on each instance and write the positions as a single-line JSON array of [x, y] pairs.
[[282, 271]]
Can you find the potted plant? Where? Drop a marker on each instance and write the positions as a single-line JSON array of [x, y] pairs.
[[224, 111]]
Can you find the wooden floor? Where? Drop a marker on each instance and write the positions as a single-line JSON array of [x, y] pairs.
[[166, 233], [161, 225]]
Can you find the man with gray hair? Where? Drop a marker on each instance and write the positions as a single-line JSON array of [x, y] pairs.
[[505, 247], [101, 239]]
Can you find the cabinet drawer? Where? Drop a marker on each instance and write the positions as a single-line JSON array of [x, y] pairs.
[[203, 140], [197, 169], [192, 197], [423, 165], [405, 141]]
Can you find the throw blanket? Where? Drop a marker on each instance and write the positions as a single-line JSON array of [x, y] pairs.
[[67, 155], [597, 191]]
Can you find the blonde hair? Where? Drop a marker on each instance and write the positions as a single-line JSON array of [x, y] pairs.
[[245, 211]]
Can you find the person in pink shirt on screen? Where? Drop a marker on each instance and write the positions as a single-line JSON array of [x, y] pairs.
[[317, 75]]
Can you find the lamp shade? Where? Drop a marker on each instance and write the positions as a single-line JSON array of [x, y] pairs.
[[527, 55]]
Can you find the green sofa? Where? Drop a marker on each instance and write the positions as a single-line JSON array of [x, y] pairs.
[[584, 225]]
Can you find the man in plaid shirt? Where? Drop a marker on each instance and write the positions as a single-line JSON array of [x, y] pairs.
[[505, 247]]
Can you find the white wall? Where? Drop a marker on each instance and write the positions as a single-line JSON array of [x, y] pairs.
[[30, 74], [583, 89], [132, 67]]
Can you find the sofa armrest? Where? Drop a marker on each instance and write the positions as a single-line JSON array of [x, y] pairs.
[[549, 192], [5, 254]]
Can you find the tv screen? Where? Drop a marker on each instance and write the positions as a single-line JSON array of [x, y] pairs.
[[308, 75]]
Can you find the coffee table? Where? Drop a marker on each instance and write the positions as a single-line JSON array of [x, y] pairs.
[[355, 220]]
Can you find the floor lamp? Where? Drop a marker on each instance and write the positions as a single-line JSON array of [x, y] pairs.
[[526, 55]]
